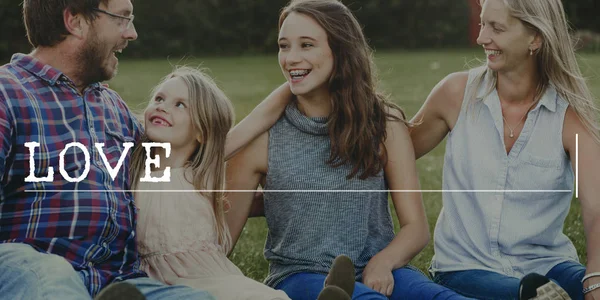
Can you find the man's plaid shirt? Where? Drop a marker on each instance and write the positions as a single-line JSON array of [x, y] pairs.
[[90, 223]]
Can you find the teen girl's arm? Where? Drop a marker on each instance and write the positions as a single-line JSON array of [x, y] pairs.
[[258, 121], [436, 118], [401, 174], [439, 113], [244, 172], [589, 190]]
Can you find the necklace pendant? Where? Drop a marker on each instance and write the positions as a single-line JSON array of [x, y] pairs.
[[511, 135]]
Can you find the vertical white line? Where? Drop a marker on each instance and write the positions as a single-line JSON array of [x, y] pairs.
[[576, 166]]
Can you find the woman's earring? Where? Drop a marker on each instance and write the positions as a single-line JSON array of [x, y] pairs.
[[530, 51]]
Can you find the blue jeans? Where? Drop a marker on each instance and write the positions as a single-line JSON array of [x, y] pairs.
[[486, 285], [26, 273], [410, 283]]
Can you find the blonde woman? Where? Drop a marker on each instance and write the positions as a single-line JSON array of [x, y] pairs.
[[511, 127]]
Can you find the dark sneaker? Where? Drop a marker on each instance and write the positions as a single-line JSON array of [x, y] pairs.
[[537, 287], [120, 291], [342, 274], [332, 292]]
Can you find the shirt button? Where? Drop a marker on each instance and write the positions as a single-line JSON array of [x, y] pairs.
[[105, 245]]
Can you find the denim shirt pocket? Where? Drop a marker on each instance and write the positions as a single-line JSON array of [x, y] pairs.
[[542, 162], [536, 172]]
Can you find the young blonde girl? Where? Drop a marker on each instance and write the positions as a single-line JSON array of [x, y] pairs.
[[182, 234]]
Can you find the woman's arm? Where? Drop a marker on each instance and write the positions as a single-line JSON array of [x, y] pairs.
[[439, 113], [401, 174], [589, 189], [244, 172], [258, 121]]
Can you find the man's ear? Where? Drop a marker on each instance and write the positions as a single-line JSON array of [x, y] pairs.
[[75, 24]]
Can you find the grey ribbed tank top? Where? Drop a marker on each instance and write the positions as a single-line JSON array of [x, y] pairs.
[[307, 230]]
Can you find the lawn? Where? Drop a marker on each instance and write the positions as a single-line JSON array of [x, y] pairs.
[[407, 76]]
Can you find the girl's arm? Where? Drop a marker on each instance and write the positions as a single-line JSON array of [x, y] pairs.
[[401, 174], [258, 121], [589, 189], [244, 172]]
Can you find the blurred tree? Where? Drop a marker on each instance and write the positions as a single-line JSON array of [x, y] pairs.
[[12, 31], [583, 14], [233, 27]]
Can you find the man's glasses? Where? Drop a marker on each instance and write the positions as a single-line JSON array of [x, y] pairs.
[[129, 19]]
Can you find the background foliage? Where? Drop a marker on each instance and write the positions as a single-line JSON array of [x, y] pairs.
[[233, 27]]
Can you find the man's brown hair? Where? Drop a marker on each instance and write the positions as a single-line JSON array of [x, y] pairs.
[[44, 18]]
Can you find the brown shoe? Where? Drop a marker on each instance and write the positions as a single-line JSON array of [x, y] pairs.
[[332, 292], [120, 291], [342, 274]]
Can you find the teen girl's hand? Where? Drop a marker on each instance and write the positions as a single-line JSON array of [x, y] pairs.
[[377, 275]]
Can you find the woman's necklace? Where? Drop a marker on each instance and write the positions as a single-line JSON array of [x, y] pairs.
[[511, 129]]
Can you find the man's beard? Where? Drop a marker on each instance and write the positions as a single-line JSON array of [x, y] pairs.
[[92, 60]]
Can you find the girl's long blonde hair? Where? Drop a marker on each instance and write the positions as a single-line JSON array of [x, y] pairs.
[[556, 59], [212, 117]]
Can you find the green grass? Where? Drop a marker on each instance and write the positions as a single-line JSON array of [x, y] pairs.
[[407, 76]]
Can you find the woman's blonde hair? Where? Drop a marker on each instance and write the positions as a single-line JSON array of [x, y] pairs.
[[212, 117], [556, 59]]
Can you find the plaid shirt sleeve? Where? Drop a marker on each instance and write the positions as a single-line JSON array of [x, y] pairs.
[[6, 132], [136, 127]]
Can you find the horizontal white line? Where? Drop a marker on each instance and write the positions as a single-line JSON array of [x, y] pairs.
[[308, 191]]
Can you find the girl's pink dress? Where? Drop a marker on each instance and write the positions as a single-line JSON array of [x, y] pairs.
[[177, 241]]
